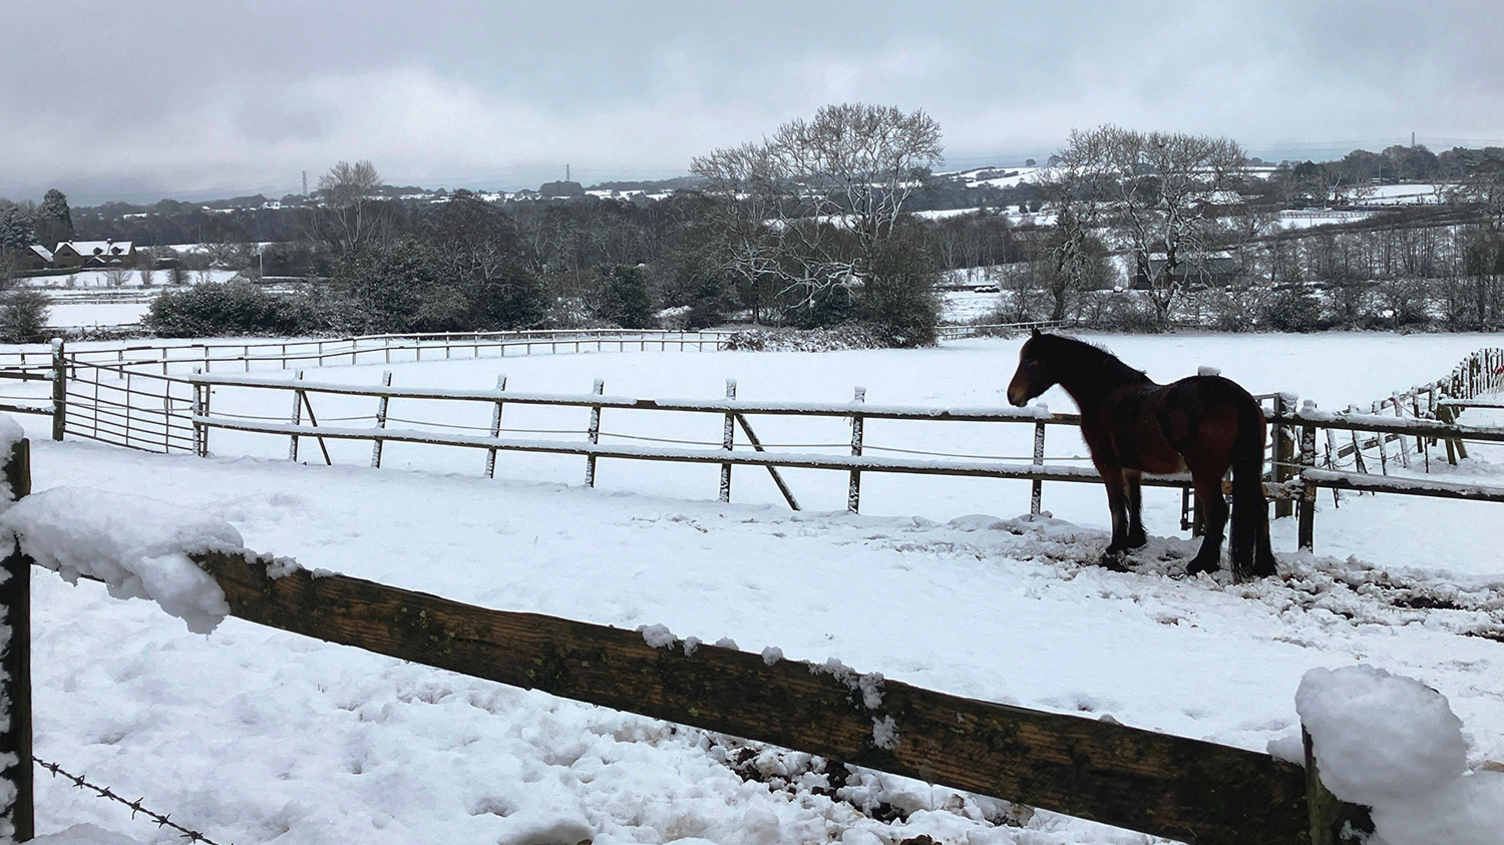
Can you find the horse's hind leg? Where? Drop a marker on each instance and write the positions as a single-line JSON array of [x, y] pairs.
[[1208, 486], [1136, 537]]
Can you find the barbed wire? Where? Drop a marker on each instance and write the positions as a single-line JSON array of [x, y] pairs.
[[160, 819]]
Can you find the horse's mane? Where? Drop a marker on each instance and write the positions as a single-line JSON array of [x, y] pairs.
[[1086, 354]]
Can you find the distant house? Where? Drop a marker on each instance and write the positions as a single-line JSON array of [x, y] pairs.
[[1215, 268], [91, 254], [36, 257]]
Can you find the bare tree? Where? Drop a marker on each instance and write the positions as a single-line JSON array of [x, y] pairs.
[[146, 265], [351, 213], [1483, 190], [1072, 259], [1157, 192], [809, 206]]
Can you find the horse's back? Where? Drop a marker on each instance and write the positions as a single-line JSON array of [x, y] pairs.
[[1202, 413]]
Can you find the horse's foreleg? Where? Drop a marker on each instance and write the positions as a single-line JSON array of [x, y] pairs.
[[1208, 486], [1135, 537], [1117, 505]]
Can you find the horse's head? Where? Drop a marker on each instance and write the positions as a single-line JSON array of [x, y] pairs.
[[1034, 375]]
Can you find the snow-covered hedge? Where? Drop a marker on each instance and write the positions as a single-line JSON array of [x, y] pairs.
[[848, 336]]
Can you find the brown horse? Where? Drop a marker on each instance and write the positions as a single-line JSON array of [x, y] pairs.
[[1133, 426]]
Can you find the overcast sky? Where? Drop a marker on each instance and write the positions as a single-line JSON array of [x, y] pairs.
[[193, 99]]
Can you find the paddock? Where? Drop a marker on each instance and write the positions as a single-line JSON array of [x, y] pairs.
[[290, 740]]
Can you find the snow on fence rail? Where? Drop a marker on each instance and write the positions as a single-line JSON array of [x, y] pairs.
[[1127, 777]]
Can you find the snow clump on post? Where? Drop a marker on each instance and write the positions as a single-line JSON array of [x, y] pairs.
[[1394, 744], [138, 547]]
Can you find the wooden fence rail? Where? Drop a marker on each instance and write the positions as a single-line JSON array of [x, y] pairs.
[[1162, 785], [1294, 477], [1126, 777]]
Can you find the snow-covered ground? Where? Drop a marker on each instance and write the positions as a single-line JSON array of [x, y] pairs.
[[1311, 218], [69, 314], [1414, 193], [129, 279], [255, 736], [965, 306]]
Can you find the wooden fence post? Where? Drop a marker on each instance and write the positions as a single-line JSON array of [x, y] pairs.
[[1404, 446], [594, 432], [15, 689], [1445, 414], [854, 489], [728, 441], [60, 389], [1333, 821], [381, 406], [1420, 440], [1036, 493], [200, 429], [1383, 447], [1307, 519], [1358, 463], [1284, 452], [501, 384], [297, 419]]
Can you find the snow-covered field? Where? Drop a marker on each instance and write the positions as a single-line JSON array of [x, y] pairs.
[[965, 306], [69, 314], [130, 279], [256, 736]]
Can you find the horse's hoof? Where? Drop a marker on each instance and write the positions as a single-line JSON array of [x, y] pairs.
[[1198, 566], [1113, 560], [1138, 542]]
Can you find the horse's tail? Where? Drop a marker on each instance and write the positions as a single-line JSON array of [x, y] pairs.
[[1251, 554]]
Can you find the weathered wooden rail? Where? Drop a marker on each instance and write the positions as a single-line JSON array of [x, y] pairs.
[[1163, 785]]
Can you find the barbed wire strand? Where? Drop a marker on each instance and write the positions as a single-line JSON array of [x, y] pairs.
[[135, 806]]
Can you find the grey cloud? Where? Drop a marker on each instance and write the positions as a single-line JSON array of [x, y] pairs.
[[191, 96]]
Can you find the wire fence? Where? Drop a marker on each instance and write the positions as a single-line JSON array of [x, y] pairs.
[[160, 819]]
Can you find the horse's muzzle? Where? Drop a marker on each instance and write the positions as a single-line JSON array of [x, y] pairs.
[[1017, 398]]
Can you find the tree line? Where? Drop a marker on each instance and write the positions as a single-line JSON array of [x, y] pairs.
[[816, 225]]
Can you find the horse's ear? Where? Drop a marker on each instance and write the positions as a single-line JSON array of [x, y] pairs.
[[1036, 331]]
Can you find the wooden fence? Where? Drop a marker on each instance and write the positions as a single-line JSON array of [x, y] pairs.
[[1297, 473], [142, 403], [968, 330], [1110, 773], [167, 356]]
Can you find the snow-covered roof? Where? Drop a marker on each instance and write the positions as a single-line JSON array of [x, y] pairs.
[[45, 253], [97, 247]]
